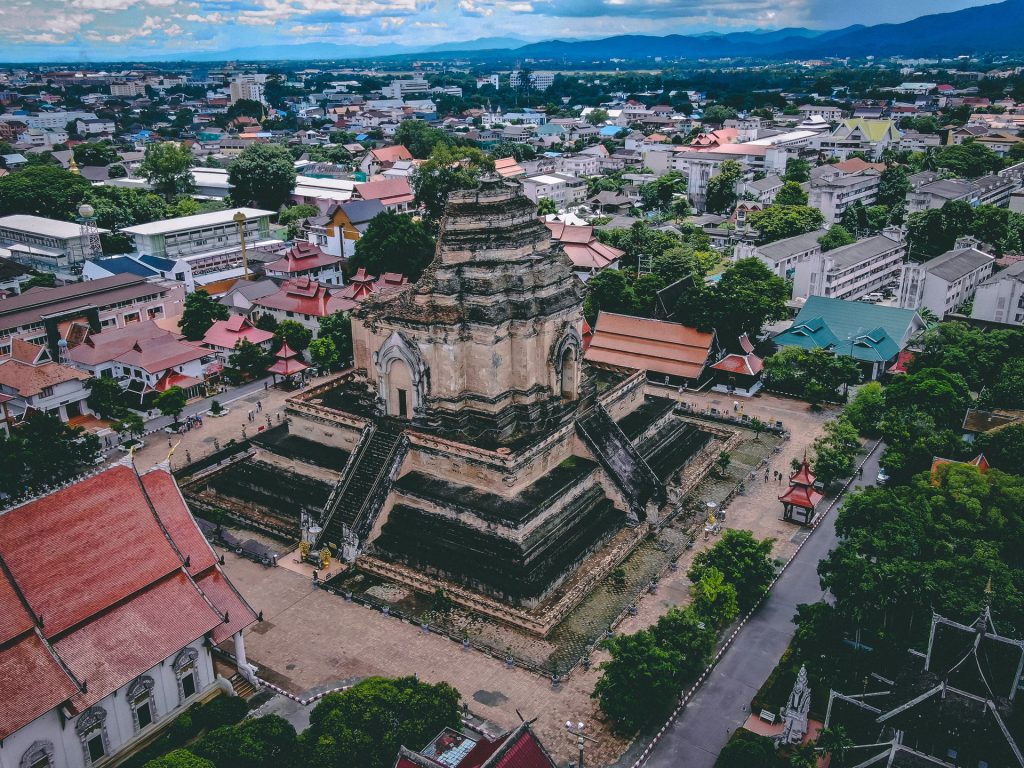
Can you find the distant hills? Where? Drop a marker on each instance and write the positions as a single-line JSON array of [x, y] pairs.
[[987, 29]]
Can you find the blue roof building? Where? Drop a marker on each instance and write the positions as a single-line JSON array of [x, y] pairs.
[[872, 335]]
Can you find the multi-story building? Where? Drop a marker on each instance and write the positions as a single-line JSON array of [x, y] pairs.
[[94, 125], [833, 194], [782, 256], [852, 271], [47, 316], [831, 114], [48, 244], [946, 282], [563, 189], [249, 87], [399, 89], [1000, 298], [46, 387], [872, 137], [201, 233], [338, 230], [48, 119], [578, 165], [919, 142], [988, 190], [109, 657], [129, 89]]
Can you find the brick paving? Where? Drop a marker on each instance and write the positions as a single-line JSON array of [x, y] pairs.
[[311, 638]]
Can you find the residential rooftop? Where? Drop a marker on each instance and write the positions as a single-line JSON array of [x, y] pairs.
[[199, 221]]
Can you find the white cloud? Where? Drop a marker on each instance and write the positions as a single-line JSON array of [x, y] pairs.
[[307, 30]]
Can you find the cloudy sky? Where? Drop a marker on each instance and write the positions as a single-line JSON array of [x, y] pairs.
[[92, 29]]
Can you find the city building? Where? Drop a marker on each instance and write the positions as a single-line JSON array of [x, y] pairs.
[[93, 673], [47, 316], [399, 89], [1000, 297], [13, 277], [341, 226], [249, 87], [47, 387], [872, 137], [829, 114], [395, 195], [519, 748], [128, 89], [988, 190], [832, 194], [782, 256], [304, 259], [563, 189], [48, 244], [947, 282], [852, 271], [587, 254], [202, 233]]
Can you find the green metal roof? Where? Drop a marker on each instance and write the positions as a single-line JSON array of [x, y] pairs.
[[865, 332]]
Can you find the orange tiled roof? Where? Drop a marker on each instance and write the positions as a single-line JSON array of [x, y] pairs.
[[653, 345], [29, 380]]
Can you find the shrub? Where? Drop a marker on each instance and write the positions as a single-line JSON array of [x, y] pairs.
[[223, 710]]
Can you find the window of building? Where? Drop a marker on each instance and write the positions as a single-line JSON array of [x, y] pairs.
[[47, 391], [187, 672], [140, 699], [91, 729], [39, 755], [131, 317]]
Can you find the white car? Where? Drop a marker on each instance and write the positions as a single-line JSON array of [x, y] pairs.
[[883, 476]]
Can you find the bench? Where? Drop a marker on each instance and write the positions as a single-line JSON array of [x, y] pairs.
[[768, 717]]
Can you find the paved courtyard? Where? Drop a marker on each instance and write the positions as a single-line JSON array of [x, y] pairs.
[[311, 639]]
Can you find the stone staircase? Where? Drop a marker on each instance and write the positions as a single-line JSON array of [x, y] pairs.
[[353, 505], [620, 459], [243, 687]]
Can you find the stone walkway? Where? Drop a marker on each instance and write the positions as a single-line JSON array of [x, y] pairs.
[[311, 638]]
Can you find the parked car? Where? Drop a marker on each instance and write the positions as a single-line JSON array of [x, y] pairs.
[[127, 446], [883, 476]]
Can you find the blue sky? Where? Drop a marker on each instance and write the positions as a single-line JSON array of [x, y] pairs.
[[91, 29]]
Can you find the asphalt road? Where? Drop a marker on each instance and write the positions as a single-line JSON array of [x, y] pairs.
[[719, 706]]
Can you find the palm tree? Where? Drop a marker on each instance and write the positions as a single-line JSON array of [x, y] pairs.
[[930, 318], [834, 741]]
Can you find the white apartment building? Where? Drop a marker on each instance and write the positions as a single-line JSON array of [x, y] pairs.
[[831, 114], [832, 195], [540, 81], [399, 89], [250, 87], [852, 271], [201, 233], [43, 137], [1000, 298], [129, 89], [95, 126], [578, 165], [946, 282], [48, 244], [488, 80], [48, 119], [564, 189], [782, 256], [47, 387], [988, 190]]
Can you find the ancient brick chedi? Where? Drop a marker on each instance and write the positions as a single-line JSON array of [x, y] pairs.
[[481, 449]]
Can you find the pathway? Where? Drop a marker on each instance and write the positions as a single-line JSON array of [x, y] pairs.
[[719, 706]]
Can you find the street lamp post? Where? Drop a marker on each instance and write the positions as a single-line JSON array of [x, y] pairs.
[[239, 219], [581, 738]]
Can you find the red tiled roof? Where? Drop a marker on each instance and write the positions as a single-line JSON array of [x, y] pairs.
[[802, 496], [136, 635], [391, 154], [653, 345], [903, 360], [745, 365], [227, 333], [175, 379], [27, 353], [161, 352], [301, 257], [121, 604], [28, 380], [288, 362], [32, 682], [803, 476], [393, 191], [300, 295]]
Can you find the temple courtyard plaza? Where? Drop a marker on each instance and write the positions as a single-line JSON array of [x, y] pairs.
[[311, 639]]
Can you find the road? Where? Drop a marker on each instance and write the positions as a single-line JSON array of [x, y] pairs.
[[719, 706]]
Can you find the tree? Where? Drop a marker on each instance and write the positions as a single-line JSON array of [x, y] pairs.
[[263, 175], [717, 114], [797, 170], [597, 116], [893, 187], [968, 160], [714, 598], [171, 402], [546, 206], [942, 395], [41, 451], [836, 237], [816, 374], [264, 742], [660, 194], [1007, 391], [835, 451], [199, 313], [324, 354], [130, 424], [743, 560], [294, 333], [835, 742], [720, 196], [867, 409], [791, 194], [167, 165], [100, 153], [43, 190], [367, 724], [338, 328], [419, 138], [1004, 448], [747, 296], [748, 750], [976, 355], [779, 222], [676, 263], [394, 242], [179, 758], [244, 108], [608, 291], [41, 280], [106, 397], [251, 359], [448, 169], [292, 215], [638, 683]]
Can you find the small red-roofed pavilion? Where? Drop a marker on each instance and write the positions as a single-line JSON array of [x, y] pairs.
[[288, 363], [801, 498]]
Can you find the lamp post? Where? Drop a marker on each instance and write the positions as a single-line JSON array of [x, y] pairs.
[[239, 219], [581, 738]]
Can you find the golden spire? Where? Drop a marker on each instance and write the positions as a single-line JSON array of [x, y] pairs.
[[73, 167]]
